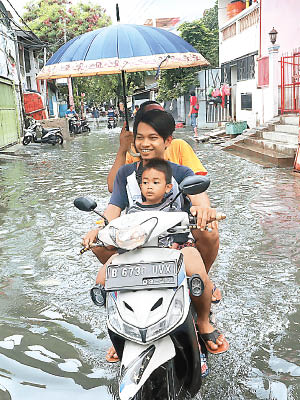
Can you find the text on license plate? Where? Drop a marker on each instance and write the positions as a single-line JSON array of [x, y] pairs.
[[131, 271]]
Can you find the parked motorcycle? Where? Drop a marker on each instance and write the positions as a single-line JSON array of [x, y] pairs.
[[112, 122], [79, 125], [35, 129], [150, 318]]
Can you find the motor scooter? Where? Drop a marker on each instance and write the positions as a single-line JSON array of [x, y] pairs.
[[50, 136], [112, 122], [150, 317], [79, 125]]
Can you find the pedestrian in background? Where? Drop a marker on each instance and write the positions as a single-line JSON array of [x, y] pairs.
[[194, 108], [96, 115]]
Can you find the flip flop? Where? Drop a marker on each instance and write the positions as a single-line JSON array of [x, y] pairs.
[[213, 336], [218, 298], [111, 359]]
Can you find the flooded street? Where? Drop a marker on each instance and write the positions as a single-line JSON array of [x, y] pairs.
[[53, 339]]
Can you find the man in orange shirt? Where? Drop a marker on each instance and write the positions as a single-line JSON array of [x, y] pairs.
[[180, 153]]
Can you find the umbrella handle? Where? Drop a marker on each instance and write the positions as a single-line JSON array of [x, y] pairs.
[[125, 100]]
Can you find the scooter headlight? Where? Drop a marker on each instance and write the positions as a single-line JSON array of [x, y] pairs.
[[117, 323], [174, 315], [132, 237]]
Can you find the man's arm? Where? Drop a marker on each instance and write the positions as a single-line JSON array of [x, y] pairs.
[[191, 109], [126, 138], [201, 208]]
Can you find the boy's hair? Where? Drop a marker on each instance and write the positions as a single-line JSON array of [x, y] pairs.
[[160, 165], [161, 121], [193, 93]]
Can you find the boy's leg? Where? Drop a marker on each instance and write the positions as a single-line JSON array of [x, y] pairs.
[[104, 253], [194, 265]]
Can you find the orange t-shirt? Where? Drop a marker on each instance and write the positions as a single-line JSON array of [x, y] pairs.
[[179, 152]]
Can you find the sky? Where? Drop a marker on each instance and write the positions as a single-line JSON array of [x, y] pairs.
[[137, 11]]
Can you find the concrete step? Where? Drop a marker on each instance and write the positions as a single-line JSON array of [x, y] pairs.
[[280, 147], [289, 138], [287, 128], [290, 120], [261, 156]]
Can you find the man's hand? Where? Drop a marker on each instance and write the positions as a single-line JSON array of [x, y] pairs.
[[204, 216], [126, 139], [90, 237]]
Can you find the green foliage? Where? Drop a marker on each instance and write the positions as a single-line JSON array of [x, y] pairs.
[[203, 34], [57, 21]]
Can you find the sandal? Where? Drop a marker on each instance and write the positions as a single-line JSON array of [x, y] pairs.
[[212, 337], [112, 359], [216, 294]]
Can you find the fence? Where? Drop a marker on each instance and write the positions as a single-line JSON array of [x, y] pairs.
[[290, 83]]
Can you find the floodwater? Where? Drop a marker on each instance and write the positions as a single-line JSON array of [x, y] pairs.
[[53, 339]]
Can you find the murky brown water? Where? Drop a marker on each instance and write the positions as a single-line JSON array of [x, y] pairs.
[[53, 340]]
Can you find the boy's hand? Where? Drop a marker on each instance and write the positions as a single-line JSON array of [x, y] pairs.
[[204, 215]]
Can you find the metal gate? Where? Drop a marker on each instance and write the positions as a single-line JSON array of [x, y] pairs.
[[214, 111], [9, 126], [290, 83]]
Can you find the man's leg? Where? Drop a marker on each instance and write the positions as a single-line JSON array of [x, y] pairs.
[[207, 244], [195, 265]]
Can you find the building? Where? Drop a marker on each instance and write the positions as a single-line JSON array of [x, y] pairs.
[[10, 100], [20, 52], [252, 65]]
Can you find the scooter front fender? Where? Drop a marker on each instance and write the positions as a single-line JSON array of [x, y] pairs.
[[139, 361]]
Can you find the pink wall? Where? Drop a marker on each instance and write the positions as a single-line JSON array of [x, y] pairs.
[[284, 15]]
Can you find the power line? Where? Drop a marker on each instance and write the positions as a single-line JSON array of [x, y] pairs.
[[18, 26]]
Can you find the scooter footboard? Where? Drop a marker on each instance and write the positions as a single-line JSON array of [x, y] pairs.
[[138, 362]]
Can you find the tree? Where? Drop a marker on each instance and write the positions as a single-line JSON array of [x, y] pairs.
[[203, 34], [58, 21]]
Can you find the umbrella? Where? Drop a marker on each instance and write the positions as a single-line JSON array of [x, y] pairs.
[[121, 48]]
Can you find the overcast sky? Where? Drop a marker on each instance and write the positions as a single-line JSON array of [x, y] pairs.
[[137, 11]]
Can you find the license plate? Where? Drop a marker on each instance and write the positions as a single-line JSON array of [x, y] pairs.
[[141, 276]]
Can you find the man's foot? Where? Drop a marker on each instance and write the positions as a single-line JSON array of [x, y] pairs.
[[216, 295], [111, 355], [215, 342]]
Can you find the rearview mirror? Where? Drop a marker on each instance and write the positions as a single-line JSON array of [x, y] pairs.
[[194, 184], [85, 204]]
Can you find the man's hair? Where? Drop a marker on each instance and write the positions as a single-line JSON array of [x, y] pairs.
[[161, 121], [160, 165], [193, 93], [149, 103]]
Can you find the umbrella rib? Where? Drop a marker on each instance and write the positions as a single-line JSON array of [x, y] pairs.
[[89, 46]]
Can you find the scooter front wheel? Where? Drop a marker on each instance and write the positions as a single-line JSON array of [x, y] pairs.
[[26, 140], [59, 139]]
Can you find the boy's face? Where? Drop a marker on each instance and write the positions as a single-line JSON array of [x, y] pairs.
[[149, 143], [154, 186]]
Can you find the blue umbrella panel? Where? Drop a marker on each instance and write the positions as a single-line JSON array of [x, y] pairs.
[[121, 47]]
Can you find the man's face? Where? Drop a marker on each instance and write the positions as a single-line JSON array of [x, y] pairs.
[[149, 143], [154, 186]]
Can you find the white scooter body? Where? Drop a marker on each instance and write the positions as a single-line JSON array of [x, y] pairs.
[[141, 311]]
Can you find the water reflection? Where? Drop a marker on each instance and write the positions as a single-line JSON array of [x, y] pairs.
[[53, 339]]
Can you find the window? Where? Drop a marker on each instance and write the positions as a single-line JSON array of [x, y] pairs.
[[246, 68], [263, 72], [27, 61], [246, 101]]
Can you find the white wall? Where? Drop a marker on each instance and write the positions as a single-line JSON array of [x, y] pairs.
[[242, 43], [250, 116], [7, 55], [239, 45]]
